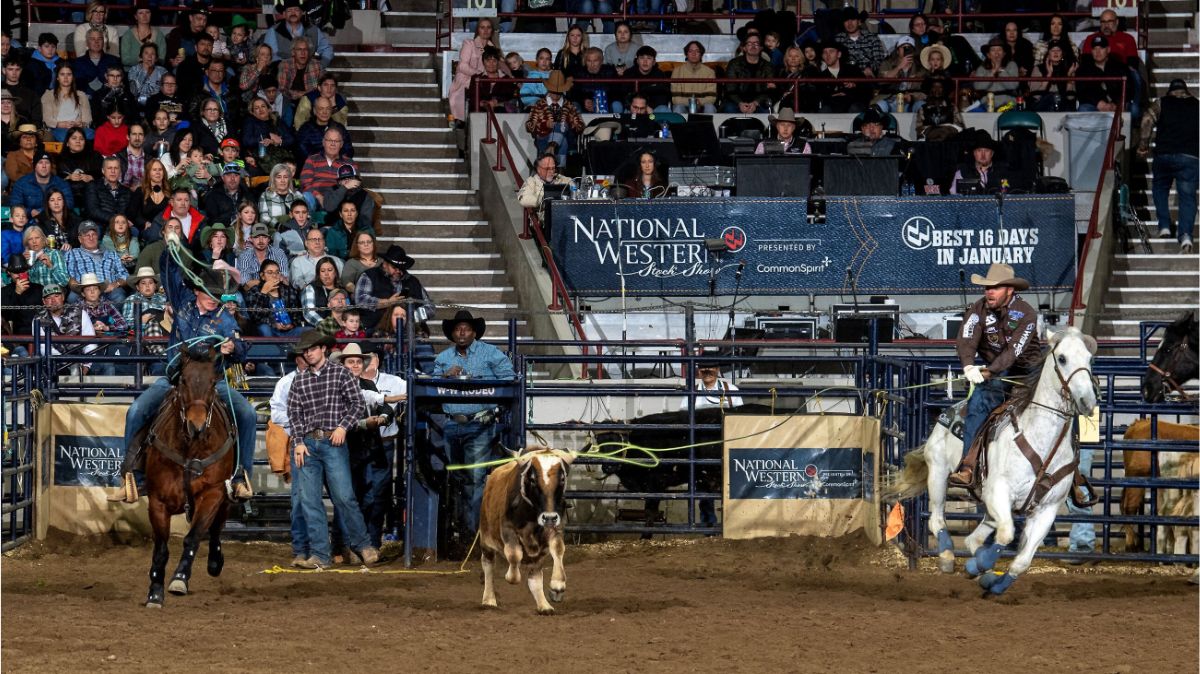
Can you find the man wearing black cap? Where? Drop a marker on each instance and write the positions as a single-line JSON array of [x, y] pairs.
[[182, 40], [470, 429], [30, 191], [1171, 127], [991, 176], [1103, 96], [865, 50], [220, 204], [842, 96], [349, 188], [389, 284]]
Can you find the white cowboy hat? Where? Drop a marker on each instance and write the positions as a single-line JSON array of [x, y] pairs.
[[90, 279], [1000, 275], [351, 350], [142, 272]]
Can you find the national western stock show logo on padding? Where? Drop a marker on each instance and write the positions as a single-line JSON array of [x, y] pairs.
[[88, 461], [795, 473], [870, 244]]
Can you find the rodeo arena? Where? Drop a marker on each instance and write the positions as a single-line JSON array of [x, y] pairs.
[[810, 336]]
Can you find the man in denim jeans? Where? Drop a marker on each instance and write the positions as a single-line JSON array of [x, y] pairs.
[[470, 429], [323, 405], [1171, 123]]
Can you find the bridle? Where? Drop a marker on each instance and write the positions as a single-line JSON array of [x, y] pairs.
[[183, 406], [1064, 383], [1167, 375]]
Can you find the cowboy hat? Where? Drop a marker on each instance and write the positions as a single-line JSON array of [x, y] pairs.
[[558, 83], [601, 129], [852, 13], [142, 272], [830, 44], [239, 20], [939, 48], [206, 234], [215, 283], [90, 279], [1000, 275], [351, 350], [17, 264], [27, 130], [6, 95], [310, 338], [982, 139], [785, 115], [464, 316], [995, 42], [396, 256]]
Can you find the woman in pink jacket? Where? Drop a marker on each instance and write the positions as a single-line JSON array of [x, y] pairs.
[[470, 63]]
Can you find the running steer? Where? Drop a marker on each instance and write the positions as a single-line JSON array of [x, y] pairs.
[[522, 519]]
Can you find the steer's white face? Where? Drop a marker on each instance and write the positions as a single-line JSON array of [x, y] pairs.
[[543, 481]]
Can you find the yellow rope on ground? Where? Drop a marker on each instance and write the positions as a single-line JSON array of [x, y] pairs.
[[275, 570]]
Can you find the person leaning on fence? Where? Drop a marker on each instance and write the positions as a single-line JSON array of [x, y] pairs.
[[323, 405], [470, 429], [1002, 328], [716, 390], [533, 191], [198, 320], [1170, 125]]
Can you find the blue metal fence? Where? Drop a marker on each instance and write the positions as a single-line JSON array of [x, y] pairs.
[[17, 418]]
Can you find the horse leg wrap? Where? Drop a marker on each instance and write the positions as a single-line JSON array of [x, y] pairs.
[[944, 541], [984, 559], [1002, 583]]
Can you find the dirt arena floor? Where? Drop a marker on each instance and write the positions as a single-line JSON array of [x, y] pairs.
[[783, 605]]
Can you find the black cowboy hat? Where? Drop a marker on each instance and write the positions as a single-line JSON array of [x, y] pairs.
[[852, 13], [310, 338], [464, 316], [832, 44], [982, 139], [396, 256], [17, 264], [215, 283]]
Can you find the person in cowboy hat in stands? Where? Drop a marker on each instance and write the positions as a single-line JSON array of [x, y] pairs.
[[470, 428], [199, 316], [389, 283], [991, 176], [554, 122], [785, 133], [146, 297], [1001, 328]]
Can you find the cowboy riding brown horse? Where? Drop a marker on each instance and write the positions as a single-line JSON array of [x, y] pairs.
[[189, 455]]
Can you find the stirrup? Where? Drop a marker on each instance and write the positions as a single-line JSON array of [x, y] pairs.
[[128, 490], [964, 477], [239, 480]]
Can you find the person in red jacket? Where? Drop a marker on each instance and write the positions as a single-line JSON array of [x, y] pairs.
[[112, 137]]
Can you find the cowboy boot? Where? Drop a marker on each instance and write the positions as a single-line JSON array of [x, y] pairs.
[[238, 487], [128, 490], [965, 475]]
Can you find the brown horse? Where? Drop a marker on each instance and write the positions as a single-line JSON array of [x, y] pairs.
[[188, 458]]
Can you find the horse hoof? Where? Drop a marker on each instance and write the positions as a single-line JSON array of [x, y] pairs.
[[178, 587], [215, 566], [154, 604], [988, 580], [946, 563], [557, 596], [972, 567], [1002, 583], [549, 610]]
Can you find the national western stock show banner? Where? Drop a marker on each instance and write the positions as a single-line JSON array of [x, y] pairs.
[[884, 245]]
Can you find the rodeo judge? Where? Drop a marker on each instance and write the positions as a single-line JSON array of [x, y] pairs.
[[1002, 328]]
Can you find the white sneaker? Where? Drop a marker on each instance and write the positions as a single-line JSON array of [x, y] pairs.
[[1185, 245], [1164, 232]]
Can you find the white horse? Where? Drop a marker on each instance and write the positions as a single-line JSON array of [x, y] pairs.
[[1064, 388]]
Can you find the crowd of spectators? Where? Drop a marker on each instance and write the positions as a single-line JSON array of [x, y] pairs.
[[235, 139], [842, 52]]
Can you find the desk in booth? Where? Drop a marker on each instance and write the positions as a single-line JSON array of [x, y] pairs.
[[426, 395], [878, 245]]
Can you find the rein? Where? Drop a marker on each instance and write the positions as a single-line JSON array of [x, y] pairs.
[[1169, 378]]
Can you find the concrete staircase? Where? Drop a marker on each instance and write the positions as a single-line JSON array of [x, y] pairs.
[[1161, 284], [407, 153]]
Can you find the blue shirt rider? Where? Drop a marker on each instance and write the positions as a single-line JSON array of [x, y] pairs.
[[197, 314]]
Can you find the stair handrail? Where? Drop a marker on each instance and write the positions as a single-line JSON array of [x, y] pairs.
[[1093, 230], [560, 298]]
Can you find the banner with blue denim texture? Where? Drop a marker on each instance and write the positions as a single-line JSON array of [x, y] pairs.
[[796, 472], [882, 245]]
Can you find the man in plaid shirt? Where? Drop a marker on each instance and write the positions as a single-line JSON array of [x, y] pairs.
[[249, 262], [864, 49], [323, 405], [89, 258]]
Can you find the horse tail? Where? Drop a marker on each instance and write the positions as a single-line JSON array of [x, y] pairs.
[[911, 481]]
